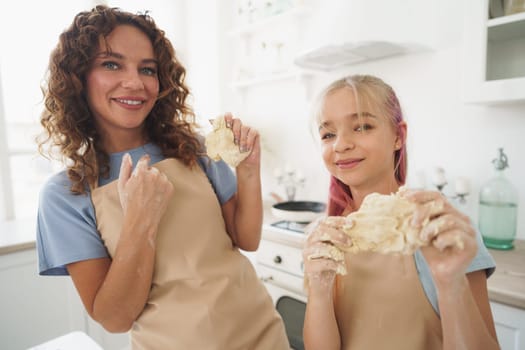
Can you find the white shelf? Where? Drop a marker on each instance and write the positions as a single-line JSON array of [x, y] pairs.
[[303, 78], [247, 33], [269, 79], [494, 52], [268, 22], [268, 67], [518, 17], [506, 28], [503, 91]]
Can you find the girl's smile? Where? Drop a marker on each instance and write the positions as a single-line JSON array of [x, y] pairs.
[[348, 163], [357, 145]]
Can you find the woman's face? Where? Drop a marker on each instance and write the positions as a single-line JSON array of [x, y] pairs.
[[358, 150], [122, 87]]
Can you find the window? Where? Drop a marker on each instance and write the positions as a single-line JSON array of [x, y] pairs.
[[27, 36]]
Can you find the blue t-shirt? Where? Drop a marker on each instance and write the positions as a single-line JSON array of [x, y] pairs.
[[67, 230], [482, 261], [66, 223]]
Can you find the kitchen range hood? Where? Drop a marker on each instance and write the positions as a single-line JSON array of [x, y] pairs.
[[334, 56], [345, 32]]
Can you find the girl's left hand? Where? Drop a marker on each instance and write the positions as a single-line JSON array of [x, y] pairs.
[[451, 235], [247, 139]]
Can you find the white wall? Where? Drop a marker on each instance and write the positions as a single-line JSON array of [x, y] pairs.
[[202, 59], [443, 131], [168, 15]]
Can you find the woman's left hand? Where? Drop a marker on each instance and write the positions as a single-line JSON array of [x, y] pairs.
[[247, 139], [450, 233]]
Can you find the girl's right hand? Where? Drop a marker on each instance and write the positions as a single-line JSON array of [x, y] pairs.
[[144, 192], [322, 258]]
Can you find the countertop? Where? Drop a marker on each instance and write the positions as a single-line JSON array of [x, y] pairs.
[[506, 285], [17, 235]]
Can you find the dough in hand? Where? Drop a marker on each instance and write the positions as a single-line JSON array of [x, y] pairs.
[[219, 144], [382, 224], [331, 252]]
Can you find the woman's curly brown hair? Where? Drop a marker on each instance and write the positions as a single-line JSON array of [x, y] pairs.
[[67, 120]]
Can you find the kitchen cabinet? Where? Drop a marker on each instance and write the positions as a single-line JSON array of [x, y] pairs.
[[510, 326], [36, 309], [264, 46], [494, 56], [506, 289]]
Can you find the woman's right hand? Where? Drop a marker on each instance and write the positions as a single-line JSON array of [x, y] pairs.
[[321, 256], [114, 291], [144, 192]]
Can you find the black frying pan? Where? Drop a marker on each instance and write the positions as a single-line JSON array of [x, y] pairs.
[[298, 211]]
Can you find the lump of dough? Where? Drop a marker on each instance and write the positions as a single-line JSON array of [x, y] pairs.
[[331, 252], [382, 224], [219, 144], [334, 253]]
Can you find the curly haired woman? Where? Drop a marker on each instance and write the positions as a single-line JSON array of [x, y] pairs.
[[147, 226]]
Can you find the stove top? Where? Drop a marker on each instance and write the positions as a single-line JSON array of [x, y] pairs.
[[285, 232], [290, 225]]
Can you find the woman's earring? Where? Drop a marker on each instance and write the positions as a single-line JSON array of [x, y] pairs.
[[398, 145]]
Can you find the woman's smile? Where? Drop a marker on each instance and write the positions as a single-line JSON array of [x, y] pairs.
[[129, 102]]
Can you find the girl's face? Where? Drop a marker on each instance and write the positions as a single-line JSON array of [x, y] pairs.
[[358, 150], [122, 87]]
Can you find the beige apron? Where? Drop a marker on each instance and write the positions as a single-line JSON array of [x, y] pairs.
[[381, 304], [205, 294]]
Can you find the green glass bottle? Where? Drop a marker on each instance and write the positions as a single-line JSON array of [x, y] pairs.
[[498, 208]]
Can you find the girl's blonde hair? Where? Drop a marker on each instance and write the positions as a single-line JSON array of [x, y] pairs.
[[371, 94]]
